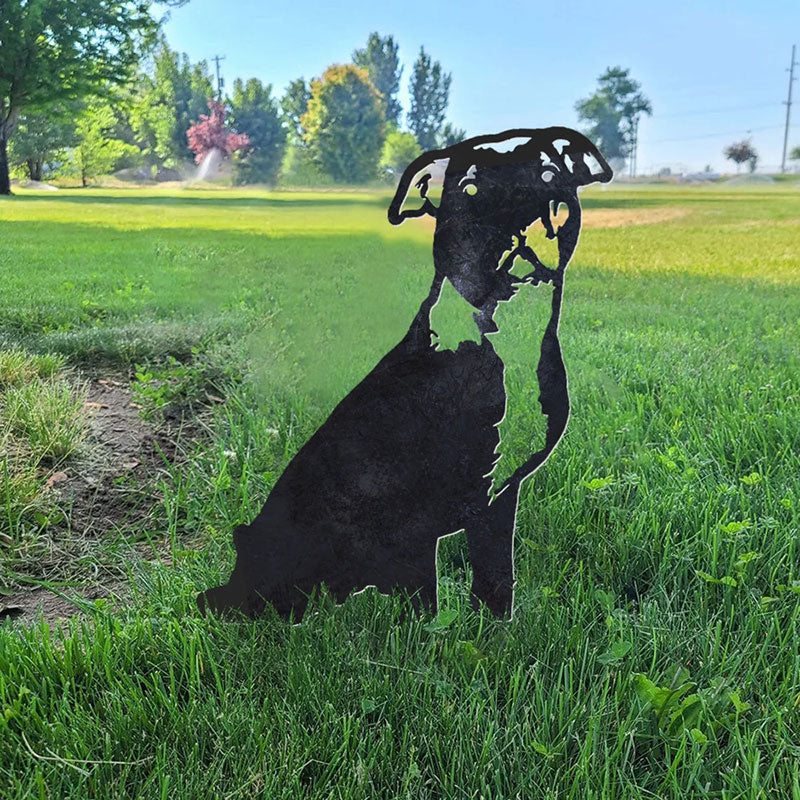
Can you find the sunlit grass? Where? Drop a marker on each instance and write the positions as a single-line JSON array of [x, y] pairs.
[[657, 550]]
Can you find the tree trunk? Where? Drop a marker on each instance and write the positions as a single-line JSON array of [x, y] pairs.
[[5, 180], [34, 169], [8, 120]]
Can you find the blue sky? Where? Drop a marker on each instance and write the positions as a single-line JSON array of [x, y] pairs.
[[714, 71]]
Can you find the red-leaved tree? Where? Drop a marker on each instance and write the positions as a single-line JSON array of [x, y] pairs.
[[211, 134]]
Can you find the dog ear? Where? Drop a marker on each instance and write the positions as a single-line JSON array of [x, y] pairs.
[[586, 164], [415, 195]]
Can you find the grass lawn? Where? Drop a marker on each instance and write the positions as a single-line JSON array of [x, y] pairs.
[[654, 650]]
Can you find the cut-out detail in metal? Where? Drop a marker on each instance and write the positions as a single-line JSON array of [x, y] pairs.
[[406, 458]]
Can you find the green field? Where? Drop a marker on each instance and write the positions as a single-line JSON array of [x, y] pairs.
[[655, 646]]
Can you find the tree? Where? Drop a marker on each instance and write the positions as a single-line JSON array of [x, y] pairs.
[[55, 51], [42, 137], [451, 135], [606, 126], [613, 111], [399, 150], [254, 110], [168, 101], [211, 133], [794, 155], [344, 126], [96, 151], [741, 152], [430, 93], [294, 104], [379, 59]]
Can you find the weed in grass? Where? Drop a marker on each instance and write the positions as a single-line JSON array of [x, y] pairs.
[[680, 708], [20, 497], [42, 422], [48, 416], [180, 386], [18, 367]]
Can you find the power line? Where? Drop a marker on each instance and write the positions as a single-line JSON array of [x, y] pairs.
[[792, 65], [719, 110], [720, 133], [701, 89]]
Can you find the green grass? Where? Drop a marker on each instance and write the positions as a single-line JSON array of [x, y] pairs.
[[43, 421], [49, 416], [654, 648]]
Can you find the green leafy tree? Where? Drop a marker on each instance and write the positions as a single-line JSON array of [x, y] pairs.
[[51, 51], [171, 97], [399, 150], [298, 169], [254, 112], [344, 126], [794, 155], [742, 153], [379, 59], [612, 112], [96, 151], [42, 137], [294, 104], [430, 93]]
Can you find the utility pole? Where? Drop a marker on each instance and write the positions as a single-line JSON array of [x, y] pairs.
[[634, 145], [788, 104], [220, 80]]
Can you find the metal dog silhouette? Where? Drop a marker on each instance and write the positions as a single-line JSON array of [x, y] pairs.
[[406, 458]]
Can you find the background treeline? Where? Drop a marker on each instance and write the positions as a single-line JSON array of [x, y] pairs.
[[91, 87], [345, 126]]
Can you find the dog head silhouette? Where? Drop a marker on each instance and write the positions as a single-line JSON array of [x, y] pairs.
[[495, 188]]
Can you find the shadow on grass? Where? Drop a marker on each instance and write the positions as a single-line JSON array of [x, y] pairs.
[[380, 198], [321, 199]]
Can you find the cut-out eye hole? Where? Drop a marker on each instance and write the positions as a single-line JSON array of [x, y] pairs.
[[547, 176], [470, 188]]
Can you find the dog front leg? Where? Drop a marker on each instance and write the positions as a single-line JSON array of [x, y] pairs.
[[490, 537]]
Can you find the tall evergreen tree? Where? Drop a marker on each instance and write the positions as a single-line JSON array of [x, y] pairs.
[[379, 59], [294, 104], [430, 93], [170, 100], [254, 112], [450, 135], [612, 112]]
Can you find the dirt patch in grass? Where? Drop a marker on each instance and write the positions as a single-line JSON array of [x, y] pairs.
[[611, 217], [102, 499], [108, 487], [620, 217], [29, 605]]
